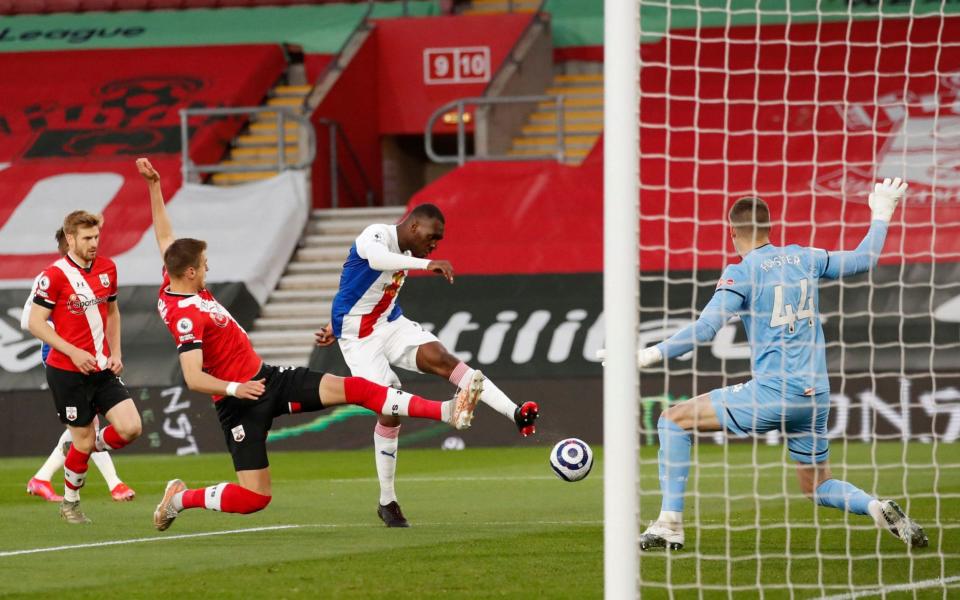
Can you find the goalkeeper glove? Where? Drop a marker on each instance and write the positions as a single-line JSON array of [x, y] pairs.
[[883, 200]]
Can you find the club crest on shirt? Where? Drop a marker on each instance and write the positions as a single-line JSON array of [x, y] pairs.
[[71, 413], [238, 433], [105, 279], [218, 317]]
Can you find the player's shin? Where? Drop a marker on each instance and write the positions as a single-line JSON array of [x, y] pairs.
[[388, 401], [223, 497], [108, 439], [74, 473], [385, 445], [843, 496], [674, 463]]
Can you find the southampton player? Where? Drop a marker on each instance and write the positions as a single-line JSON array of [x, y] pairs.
[[374, 335], [40, 484], [774, 291], [79, 293], [217, 358]]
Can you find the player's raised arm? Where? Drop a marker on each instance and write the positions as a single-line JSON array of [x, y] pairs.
[[161, 223], [191, 362], [883, 202]]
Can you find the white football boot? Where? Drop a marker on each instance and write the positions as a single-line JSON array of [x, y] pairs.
[[465, 401], [901, 526], [662, 536]]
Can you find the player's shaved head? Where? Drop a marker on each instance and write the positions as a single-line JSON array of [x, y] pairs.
[[750, 217], [183, 254], [427, 211]]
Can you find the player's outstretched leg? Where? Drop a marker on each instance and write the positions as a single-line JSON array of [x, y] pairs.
[[223, 497], [674, 463], [388, 401], [524, 416], [901, 526], [40, 484]]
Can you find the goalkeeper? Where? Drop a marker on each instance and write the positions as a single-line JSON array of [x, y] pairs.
[[774, 290]]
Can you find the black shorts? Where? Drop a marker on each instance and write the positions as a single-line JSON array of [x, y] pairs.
[[80, 397], [246, 423]]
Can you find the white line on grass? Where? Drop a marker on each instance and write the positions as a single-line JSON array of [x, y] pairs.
[[278, 527], [143, 540], [903, 587]]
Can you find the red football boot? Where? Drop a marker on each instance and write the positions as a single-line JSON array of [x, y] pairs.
[[122, 493], [39, 487], [526, 417]]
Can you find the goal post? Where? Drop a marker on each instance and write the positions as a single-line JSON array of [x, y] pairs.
[[806, 104]]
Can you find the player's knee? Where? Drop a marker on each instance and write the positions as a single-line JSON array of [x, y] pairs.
[[674, 414], [131, 431]]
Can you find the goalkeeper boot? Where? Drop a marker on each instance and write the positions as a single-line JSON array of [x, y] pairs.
[[659, 536], [166, 512], [902, 526], [526, 418]]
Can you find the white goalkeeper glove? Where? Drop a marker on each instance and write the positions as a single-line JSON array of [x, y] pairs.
[[645, 356], [883, 200]]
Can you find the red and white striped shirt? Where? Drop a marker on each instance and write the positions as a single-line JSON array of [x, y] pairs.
[[77, 298]]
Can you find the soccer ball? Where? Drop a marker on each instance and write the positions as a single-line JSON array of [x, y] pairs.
[[571, 459]]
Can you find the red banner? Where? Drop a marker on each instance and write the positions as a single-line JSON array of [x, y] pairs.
[[806, 116]]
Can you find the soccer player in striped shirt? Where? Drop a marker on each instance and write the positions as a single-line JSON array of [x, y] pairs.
[[774, 291], [79, 293], [374, 336], [217, 359]]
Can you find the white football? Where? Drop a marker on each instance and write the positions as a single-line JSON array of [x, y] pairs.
[[571, 459]]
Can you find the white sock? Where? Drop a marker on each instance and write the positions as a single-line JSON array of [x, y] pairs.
[[446, 411], [54, 462], [671, 518], [71, 495], [178, 501], [104, 462], [492, 396], [874, 509], [385, 443]]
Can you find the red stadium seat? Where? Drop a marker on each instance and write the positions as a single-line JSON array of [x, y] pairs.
[[236, 3], [97, 5], [28, 7], [131, 5], [58, 6], [165, 4], [6, 7]]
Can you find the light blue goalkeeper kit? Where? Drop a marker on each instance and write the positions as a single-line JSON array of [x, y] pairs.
[[774, 291]]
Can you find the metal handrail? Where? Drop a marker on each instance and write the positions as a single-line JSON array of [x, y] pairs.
[[283, 114], [334, 130], [461, 158]]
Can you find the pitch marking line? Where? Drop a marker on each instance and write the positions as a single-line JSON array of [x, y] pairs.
[[269, 528], [903, 587]]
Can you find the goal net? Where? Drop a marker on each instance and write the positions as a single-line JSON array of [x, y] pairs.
[[805, 104]]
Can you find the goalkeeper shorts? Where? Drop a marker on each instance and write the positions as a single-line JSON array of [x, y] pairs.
[[750, 408]]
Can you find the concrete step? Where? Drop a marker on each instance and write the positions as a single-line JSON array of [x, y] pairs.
[[575, 90], [309, 282], [275, 324], [262, 152], [297, 309], [578, 79], [340, 243], [307, 296], [283, 338], [550, 130], [338, 227], [551, 140], [572, 155], [285, 357], [239, 178], [586, 101], [286, 91], [315, 267], [295, 101], [270, 127], [268, 140], [372, 212], [332, 253], [570, 116]]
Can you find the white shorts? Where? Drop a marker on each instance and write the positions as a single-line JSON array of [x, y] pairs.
[[391, 344]]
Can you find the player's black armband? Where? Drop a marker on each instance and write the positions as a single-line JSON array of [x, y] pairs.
[[43, 303], [188, 347]]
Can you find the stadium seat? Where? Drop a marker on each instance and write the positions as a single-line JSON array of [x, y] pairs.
[[131, 5], [98, 5], [28, 7], [166, 4], [6, 7], [235, 3], [57, 6]]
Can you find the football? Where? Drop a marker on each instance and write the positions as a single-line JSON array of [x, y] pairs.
[[571, 459]]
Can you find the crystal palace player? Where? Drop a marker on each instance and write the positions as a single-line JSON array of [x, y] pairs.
[[217, 359], [79, 293], [774, 290], [374, 335]]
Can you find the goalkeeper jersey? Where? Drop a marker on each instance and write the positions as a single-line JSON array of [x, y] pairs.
[[774, 290]]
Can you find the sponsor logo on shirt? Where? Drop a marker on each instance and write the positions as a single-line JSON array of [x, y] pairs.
[[78, 303], [724, 282]]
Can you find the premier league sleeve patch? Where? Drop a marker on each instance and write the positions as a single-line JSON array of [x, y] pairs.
[[184, 325]]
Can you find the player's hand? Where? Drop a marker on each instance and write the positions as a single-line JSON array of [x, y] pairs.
[[325, 336], [442, 267], [251, 390], [648, 356], [83, 360], [885, 196], [147, 170], [114, 364]]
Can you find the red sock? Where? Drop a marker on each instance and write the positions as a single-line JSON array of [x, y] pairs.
[[365, 393], [75, 468], [225, 497], [111, 438], [424, 409]]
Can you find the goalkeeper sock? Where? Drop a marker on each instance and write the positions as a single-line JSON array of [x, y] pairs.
[[844, 496], [674, 459]]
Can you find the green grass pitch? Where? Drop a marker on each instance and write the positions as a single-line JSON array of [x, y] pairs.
[[486, 523]]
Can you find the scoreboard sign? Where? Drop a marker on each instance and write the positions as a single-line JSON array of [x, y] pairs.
[[456, 65]]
